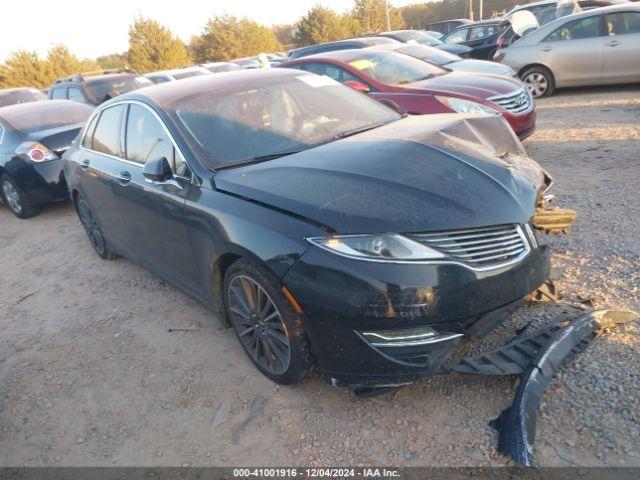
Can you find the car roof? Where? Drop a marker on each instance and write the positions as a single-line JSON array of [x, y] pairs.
[[463, 20], [32, 107], [17, 89], [368, 40], [345, 55], [164, 93], [177, 70], [609, 8]]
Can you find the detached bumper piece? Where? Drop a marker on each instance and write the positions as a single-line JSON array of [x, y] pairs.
[[553, 220], [537, 357]]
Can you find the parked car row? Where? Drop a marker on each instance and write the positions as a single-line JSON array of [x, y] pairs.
[[558, 43], [594, 47]]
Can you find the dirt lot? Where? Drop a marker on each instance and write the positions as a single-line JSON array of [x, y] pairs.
[[89, 374]]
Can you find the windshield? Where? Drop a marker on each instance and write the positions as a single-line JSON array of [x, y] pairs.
[[47, 115], [394, 68], [11, 97], [285, 114], [99, 91], [439, 57]]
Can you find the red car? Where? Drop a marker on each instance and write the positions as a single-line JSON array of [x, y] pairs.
[[414, 86]]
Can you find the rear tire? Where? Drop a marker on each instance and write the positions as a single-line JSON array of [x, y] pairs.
[[540, 81], [16, 199], [266, 323], [98, 242]]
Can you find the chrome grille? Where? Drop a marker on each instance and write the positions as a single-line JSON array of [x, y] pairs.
[[519, 101], [481, 248]]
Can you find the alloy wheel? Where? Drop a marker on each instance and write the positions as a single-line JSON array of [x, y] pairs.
[[259, 325], [537, 83], [12, 196]]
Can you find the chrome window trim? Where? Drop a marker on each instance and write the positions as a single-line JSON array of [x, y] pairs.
[[521, 256], [1, 133], [130, 162]]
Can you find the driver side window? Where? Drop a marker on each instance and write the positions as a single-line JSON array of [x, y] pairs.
[[588, 27], [146, 139], [458, 36]]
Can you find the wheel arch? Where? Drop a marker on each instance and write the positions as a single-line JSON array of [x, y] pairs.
[[538, 65]]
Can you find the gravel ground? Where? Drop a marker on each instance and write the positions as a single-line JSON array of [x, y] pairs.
[[89, 374]]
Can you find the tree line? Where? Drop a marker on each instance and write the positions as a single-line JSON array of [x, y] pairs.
[[153, 46]]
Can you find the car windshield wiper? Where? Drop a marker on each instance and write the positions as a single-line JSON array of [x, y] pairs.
[[258, 159], [355, 131]]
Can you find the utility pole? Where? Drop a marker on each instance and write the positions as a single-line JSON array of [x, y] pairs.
[[386, 15], [480, 8], [471, 10]]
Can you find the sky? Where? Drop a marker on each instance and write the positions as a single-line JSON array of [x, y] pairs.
[[92, 28]]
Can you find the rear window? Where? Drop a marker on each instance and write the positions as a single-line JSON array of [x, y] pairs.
[[20, 96], [47, 115], [101, 90]]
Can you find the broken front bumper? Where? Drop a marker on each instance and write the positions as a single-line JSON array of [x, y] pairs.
[[536, 357]]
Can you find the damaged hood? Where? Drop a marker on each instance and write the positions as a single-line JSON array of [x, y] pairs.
[[421, 173]]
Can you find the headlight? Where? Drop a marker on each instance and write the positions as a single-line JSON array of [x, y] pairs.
[[465, 106], [383, 248]]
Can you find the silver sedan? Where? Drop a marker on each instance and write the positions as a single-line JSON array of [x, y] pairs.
[[595, 47]]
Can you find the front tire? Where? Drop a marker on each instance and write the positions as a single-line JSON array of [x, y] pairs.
[[539, 81], [16, 199], [265, 323], [94, 233]]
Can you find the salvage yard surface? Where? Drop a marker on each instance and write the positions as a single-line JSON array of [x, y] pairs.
[[90, 374]]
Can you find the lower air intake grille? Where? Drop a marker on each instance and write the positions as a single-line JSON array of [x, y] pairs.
[[483, 248]]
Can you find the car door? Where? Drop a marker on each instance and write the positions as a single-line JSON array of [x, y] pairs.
[[574, 52], [154, 213], [99, 156], [622, 47], [482, 39]]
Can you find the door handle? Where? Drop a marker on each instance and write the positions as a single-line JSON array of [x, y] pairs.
[[124, 177], [85, 164], [612, 43], [546, 49]]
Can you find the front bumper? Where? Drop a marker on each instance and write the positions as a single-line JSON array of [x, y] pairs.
[[523, 125], [341, 298], [42, 182]]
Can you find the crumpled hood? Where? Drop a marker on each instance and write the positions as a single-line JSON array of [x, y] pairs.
[[472, 84], [422, 173]]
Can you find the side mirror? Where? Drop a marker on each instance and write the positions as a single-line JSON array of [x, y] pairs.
[[157, 170], [359, 86]]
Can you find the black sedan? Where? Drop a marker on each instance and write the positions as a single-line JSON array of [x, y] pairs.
[[33, 136], [423, 38], [320, 223], [481, 38]]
